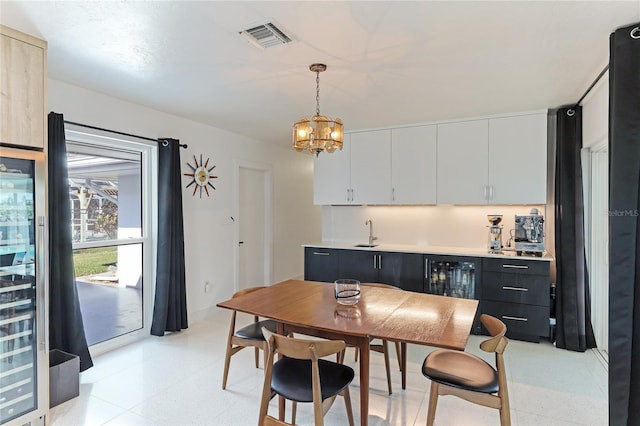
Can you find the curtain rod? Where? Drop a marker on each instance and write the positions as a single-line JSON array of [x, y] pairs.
[[183, 145], [606, 68]]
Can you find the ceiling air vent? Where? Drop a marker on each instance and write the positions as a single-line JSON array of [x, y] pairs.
[[266, 35]]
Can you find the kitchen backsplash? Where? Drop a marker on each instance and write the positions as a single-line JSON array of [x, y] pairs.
[[441, 225]]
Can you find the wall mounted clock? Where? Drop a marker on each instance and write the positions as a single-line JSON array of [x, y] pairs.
[[201, 176]]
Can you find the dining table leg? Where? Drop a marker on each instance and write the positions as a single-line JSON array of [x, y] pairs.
[[364, 381]]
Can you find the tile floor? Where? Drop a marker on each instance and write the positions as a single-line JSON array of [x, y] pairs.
[[176, 380]]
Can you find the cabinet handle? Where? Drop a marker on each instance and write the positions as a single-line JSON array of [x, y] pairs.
[[491, 192], [318, 253], [507, 317], [515, 266], [375, 263], [506, 287], [348, 196], [393, 194], [484, 193], [352, 196], [379, 261]]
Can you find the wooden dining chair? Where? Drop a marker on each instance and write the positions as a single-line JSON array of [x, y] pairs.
[[383, 346], [249, 336], [300, 375], [271, 421], [469, 377]]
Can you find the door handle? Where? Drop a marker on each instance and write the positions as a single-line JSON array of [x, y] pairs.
[[240, 243]]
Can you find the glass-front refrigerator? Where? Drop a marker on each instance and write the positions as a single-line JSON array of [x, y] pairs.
[[23, 327], [454, 276]]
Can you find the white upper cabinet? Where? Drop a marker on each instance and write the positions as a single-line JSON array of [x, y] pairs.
[[518, 159], [371, 167], [413, 165], [463, 156], [486, 161], [331, 176]]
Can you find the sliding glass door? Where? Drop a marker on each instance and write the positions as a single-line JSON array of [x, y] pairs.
[[109, 183]]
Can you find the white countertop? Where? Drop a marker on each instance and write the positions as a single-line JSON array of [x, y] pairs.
[[438, 250]]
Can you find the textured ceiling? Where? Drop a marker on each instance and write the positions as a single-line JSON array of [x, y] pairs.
[[389, 63]]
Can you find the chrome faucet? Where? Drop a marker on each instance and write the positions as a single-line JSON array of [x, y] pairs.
[[371, 237]]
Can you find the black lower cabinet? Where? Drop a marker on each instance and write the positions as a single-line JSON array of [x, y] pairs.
[[402, 270], [321, 264], [517, 292]]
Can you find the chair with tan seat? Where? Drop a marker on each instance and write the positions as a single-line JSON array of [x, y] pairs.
[[300, 375], [469, 377], [249, 336]]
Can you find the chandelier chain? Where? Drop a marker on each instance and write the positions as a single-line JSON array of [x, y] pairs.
[[317, 92]]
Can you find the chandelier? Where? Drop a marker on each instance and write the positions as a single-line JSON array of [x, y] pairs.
[[320, 133]]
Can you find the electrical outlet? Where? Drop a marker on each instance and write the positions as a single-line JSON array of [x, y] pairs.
[[206, 286]]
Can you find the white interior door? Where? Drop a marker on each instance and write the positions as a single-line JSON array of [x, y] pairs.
[[253, 259]]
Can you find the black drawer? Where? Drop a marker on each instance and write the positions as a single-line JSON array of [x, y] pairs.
[[516, 288], [524, 322], [516, 265]]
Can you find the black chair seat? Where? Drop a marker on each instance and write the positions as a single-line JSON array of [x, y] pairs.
[[461, 370], [292, 378], [254, 330]]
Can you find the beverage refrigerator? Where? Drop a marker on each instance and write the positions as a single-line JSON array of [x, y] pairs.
[[24, 369], [454, 276]]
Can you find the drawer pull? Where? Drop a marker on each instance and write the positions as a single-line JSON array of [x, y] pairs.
[[318, 253], [507, 317], [515, 266], [506, 287]]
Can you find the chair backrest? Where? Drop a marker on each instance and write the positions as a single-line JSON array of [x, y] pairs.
[[302, 348], [497, 329]]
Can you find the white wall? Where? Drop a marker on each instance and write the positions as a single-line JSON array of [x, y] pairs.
[[441, 225], [209, 238], [595, 114]]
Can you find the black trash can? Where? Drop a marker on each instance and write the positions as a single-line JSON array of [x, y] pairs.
[[64, 377]]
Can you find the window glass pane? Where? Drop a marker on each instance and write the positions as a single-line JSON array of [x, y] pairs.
[[105, 193], [109, 283]]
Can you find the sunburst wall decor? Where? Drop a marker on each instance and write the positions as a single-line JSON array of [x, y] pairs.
[[201, 176]]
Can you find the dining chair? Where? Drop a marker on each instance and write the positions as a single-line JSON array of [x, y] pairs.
[[383, 346], [300, 375], [248, 336], [469, 377], [271, 421]]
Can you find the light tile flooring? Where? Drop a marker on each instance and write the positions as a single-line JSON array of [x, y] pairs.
[[176, 380]]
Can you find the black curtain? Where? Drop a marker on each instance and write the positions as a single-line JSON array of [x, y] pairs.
[[573, 311], [624, 226], [66, 330], [170, 306]]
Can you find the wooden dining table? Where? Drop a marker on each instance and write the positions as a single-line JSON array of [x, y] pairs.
[[310, 308]]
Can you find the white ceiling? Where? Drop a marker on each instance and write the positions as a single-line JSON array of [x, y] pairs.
[[389, 62]]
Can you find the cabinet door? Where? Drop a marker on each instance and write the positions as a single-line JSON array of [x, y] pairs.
[[358, 265], [413, 165], [331, 175], [371, 167], [402, 270], [462, 162], [320, 264], [518, 159], [22, 84]]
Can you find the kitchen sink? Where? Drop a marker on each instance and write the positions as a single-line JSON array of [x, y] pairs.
[[366, 245]]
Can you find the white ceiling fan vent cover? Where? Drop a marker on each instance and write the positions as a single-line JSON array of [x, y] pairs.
[[266, 35]]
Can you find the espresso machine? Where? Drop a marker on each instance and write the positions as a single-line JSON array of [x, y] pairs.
[[529, 234], [495, 233]]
